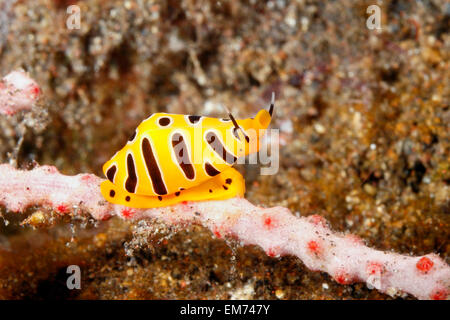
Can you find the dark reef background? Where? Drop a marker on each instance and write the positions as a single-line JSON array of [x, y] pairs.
[[363, 115]]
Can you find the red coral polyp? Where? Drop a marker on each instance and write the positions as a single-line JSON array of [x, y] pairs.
[[35, 91], [424, 265], [62, 208], [343, 277], [268, 223], [127, 212], [439, 294], [374, 268], [314, 247], [271, 252], [217, 233]]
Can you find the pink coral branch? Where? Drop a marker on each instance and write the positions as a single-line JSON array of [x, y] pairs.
[[276, 230], [17, 92]]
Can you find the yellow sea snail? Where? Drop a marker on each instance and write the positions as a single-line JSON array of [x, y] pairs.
[[172, 158]]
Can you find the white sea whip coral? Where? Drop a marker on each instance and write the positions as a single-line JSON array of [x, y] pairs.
[[276, 230], [17, 92]]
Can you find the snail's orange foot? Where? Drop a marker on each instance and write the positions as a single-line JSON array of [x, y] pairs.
[[226, 185]]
